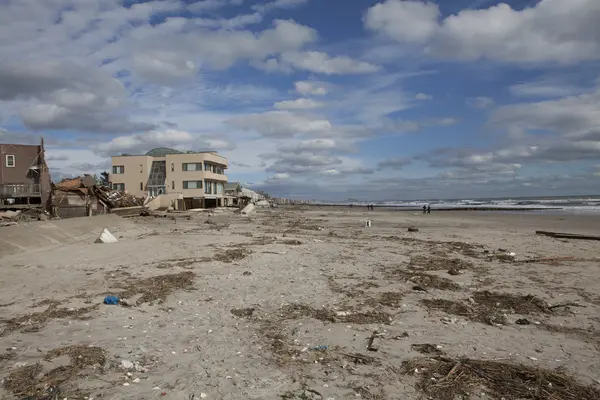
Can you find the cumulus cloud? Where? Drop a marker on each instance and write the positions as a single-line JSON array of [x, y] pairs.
[[317, 62], [143, 142], [408, 21], [281, 124], [559, 31], [423, 96], [298, 104], [311, 88]]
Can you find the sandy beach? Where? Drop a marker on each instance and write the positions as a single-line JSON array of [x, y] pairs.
[[303, 303]]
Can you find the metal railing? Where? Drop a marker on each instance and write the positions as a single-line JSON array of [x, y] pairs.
[[20, 190]]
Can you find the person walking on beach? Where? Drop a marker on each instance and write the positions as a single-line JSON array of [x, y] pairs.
[[428, 208], [424, 209]]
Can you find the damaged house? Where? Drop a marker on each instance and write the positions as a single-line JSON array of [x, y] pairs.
[[24, 177]]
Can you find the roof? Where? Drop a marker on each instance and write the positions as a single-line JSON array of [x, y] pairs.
[[232, 185], [162, 151]]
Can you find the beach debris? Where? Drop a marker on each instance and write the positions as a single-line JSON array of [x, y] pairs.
[[454, 271], [242, 312], [522, 321], [562, 235], [418, 288], [247, 273], [413, 229], [126, 364], [374, 341], [404, 335], [320, 348], [446, 378], [427, 348], [249, 209], [111, 300], [368, 223], [106, 237]]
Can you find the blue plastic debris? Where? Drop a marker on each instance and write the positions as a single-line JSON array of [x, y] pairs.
[[320, 348], [111, 300]]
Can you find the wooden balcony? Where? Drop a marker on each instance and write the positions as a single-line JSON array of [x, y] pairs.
[[20, 190]]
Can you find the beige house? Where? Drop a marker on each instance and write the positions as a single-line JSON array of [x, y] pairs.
[[198, 177]]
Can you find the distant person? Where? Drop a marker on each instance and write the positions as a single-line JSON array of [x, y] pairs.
[[424, 209], [428, 209]]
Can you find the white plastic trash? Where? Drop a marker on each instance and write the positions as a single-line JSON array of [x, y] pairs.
[[368, 223]]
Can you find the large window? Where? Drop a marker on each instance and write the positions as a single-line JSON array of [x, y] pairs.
[[10, 161], [118, 169], [191, 166], [119, 186], [208, 187], [192, 184]]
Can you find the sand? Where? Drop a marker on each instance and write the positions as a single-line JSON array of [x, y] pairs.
[[237, 308]]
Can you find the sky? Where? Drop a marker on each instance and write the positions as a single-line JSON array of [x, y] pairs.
[[316, 99]]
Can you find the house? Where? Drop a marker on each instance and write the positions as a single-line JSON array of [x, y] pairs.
[[196, 179], [233, 191], [24, 177]]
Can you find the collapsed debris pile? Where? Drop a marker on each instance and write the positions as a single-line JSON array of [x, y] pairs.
[[88, 186]]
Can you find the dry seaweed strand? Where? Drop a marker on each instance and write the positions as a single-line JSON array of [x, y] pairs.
[[157, 287], [40, 319], [443, 378], [28, 381]]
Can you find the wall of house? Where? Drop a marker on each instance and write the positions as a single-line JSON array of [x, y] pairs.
[[26, 156], [176, 174], [137, 170]]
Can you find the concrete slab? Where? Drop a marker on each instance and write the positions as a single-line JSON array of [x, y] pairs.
[[37, 235]]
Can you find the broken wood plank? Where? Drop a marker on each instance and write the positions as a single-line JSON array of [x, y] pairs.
[[563, 235]]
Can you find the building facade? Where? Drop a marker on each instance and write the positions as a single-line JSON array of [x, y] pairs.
[[24, 176], [199, 176]]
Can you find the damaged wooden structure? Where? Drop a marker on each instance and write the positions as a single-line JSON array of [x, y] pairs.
[[84, 196]]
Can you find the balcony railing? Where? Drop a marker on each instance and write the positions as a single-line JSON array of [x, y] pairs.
[[20, 190]]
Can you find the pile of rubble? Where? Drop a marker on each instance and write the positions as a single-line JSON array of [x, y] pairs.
[[89, 186], [12, 218]]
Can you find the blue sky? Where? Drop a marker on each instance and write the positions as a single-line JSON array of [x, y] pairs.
[[317, 99]]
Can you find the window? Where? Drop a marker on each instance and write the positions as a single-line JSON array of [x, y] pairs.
[[172, 167], [119, 186], [118, 169], [10, 161], [141, 168], [208, 187], [207, 167], [191, 166], [173, 185], [192, 184], [141, 185]]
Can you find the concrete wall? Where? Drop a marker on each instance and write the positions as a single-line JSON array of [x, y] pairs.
[[38, 235], [164, 201]]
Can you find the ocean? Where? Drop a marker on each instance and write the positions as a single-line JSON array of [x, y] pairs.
[[547, 204]]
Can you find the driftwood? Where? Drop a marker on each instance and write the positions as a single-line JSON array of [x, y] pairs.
[[561, 235]]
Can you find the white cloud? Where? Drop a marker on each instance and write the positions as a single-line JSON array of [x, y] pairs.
[[280, 176], [298, 104], [181, 140], [322, 63], [480, 102], [545, 88], [561, 31], [423, 96], [407, 21], [310, 88], [282, 124]]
